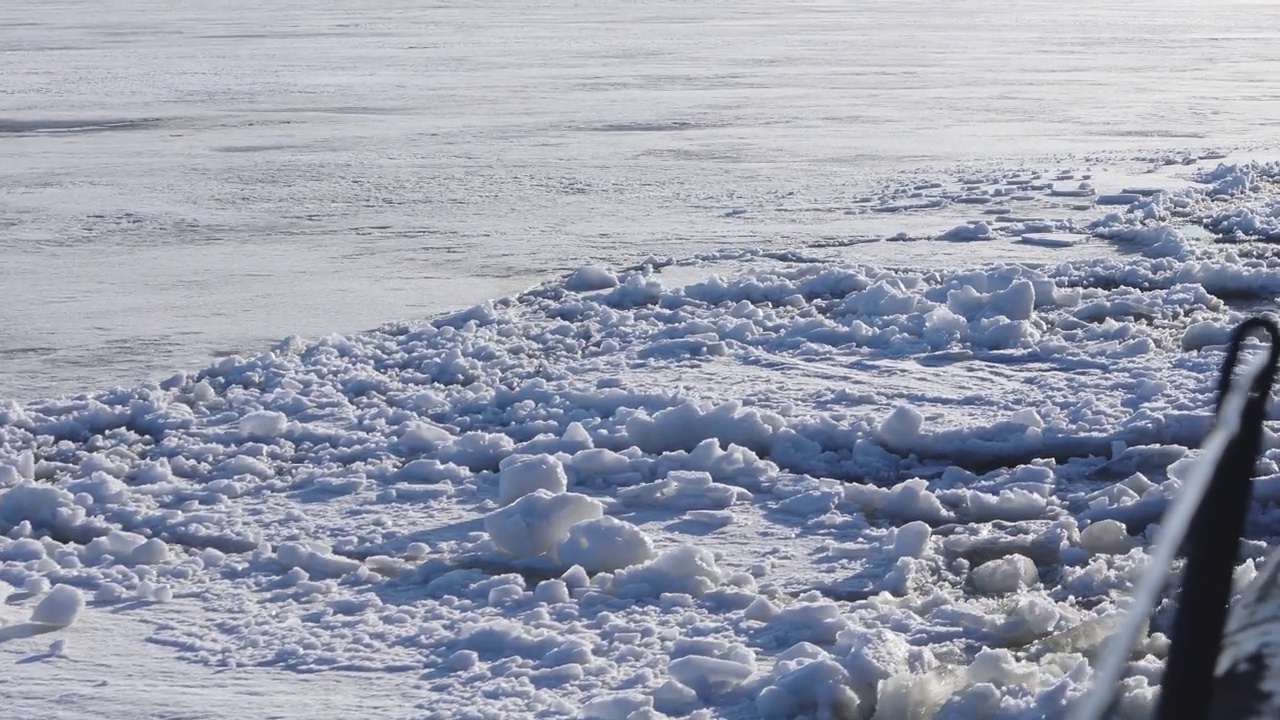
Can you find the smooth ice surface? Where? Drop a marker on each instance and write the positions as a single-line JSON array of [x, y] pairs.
[[194, 180]]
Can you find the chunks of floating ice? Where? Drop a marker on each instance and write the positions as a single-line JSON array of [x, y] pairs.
[[534, 524], [689, 426], [1053, 239], [421, 437], [716, 518], [590, 277], [108, 592], [814, 502], [684, 490], [151, 552], [117, 543], [686, 569], [1200, 335], [901, 427], [709, 677], [1033, 618], [1084, 189], [477, 450], [811, 689], [872, 656], [263, 424], [617, 707], [1154, 241], [968, 232], [462, 660], [674, 698], [540, 472], [910, 540], [1011, 504], [1106, 536], [911, 500], [1028, 417], [885, 298], [1005, 575], [551, 592], [429, 470], [636, 291], [1016, 302], [36, 584], [1120, 198], [814, 622], [604, 544], [598, 462], [317, 561], [761, 609], [42, 506], [518, 387], [59, 608], [22, 550]]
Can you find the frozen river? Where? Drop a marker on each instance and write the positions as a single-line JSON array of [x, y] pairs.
[[181, 183]]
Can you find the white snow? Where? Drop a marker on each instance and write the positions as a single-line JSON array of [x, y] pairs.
[[703, 405], [737, 483], [59, 608]]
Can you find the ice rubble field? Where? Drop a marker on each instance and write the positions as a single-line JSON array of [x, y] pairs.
[[743, 484]]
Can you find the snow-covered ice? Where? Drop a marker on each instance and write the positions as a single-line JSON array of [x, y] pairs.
[[805, 382], [923, 489]]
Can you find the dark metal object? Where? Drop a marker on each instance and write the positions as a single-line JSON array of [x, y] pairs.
[[1213, 547]]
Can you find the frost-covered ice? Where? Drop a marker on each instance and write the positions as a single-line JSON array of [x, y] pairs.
[[777, 438], [747, 484]]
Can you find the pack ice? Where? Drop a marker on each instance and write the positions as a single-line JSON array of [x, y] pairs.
[[741, 484]]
